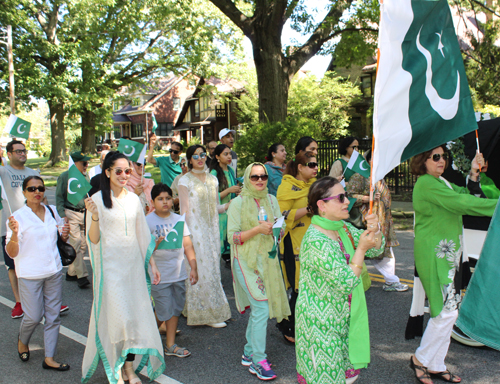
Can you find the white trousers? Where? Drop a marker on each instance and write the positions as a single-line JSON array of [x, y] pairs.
[[436, 341], [387, 267]]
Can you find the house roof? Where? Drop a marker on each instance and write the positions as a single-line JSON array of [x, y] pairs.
[[226, 86], [120, 118]]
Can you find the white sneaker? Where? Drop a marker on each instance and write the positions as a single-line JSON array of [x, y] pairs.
[[218, 325], [395, 287]]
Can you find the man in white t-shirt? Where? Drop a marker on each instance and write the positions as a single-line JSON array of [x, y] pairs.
[[170, 294]]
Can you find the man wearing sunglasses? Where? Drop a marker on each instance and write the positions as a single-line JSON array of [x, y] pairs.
[[12, 178], [77, 271], [169, 165]]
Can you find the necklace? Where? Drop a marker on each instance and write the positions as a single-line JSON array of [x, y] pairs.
[[197, 171]]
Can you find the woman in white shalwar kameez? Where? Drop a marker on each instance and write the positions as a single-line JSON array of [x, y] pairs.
[[122, 322], [206, 302]]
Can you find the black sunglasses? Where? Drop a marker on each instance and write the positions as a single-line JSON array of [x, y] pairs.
[[173, 151], [341, 197], [312, 165], [257, 177], [436, 157], [40, 188]]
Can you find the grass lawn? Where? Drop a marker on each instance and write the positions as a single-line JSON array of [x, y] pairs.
[[54, 172]]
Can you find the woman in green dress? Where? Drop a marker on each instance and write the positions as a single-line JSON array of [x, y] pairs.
[[332, 337], [439, 206], [228, 190]]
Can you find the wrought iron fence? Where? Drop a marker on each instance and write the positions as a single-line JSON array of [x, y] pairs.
[[399, 180]]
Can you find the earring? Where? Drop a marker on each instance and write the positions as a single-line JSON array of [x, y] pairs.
[[323, 212]]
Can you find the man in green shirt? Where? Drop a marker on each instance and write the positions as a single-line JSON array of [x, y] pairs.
[[169, 165], [77, 271]]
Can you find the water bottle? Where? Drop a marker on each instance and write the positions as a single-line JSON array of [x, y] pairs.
[[262, 214]]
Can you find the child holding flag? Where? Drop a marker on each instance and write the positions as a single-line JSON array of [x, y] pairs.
[[172, 243]]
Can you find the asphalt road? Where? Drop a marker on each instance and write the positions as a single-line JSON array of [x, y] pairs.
[[216, 352]]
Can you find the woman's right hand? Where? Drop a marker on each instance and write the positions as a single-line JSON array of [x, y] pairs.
[[139, 188], [265, 227], [367, 241], [92, 208], [13, 225], [234, 189]]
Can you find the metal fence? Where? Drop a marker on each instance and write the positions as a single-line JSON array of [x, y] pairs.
[[399, 180]]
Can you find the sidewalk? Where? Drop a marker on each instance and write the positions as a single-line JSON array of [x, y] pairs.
[[402, 209]]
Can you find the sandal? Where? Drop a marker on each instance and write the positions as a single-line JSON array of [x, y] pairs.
[[24, 356], [424, 376], [441, 375], [179, 353]]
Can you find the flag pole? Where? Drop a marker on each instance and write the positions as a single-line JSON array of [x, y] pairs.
[[478, 151], [371, 176]]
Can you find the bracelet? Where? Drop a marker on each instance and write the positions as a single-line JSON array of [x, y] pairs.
[[356, 265], [93, 219]]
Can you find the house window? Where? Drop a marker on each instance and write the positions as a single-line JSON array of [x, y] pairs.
[[137, 130], [136, 101], [177, 103], [116, 105], [117, 134], [197, 108], [206, 103], [366, 85], [165, 129]]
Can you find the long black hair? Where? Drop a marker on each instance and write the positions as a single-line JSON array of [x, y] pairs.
[[303, 143], [108, 163], [216, 165], [190, 152]]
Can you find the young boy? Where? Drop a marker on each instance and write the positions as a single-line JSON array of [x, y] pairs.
[[170, 294]]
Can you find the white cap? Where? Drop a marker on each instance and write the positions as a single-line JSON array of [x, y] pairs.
[[224, 131]]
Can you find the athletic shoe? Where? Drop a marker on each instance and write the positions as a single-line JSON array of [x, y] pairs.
[[83, 282], [71, 278], [17, 311], [218, 325], [246, 360], [64, 308], [398, 287], [262, 370]]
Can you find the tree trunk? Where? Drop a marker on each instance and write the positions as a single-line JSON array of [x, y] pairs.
[[58, 152], [273, 76], [88, 131]]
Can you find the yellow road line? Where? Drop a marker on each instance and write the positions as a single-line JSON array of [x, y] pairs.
[[381, 277]]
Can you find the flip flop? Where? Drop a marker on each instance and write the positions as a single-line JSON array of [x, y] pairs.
[[441, 376]]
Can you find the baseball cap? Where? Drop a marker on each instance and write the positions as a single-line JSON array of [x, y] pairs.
[[79, 156], [224, 131]]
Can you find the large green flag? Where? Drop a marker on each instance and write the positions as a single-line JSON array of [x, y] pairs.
[[479, 315], [134, 150], [358, 164], [422, 97], [78, 186], [18, 127], [173, 236]]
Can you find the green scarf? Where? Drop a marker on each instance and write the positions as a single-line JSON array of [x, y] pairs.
[[359, 334]]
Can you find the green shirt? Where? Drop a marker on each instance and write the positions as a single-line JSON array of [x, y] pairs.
[[61, 195], [168, 169]]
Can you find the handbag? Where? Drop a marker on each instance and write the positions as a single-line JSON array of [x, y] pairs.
[[66, 251]]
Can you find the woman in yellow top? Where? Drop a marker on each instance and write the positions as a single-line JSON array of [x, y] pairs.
[[292, 194]]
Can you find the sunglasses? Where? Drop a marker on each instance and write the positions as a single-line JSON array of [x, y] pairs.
[[20, 151], [40, 188], [119, 171], [436, 157], [85, 163], [138, 164], [312, 165], [174, 151], [341, 197], [183, 165], [354, 147], [257, 177], [200, 156]]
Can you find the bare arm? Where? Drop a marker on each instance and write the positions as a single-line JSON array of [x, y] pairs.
[[152, 142], [191, 258], [94, 232]]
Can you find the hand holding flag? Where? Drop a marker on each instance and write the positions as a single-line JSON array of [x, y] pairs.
[[155, 124], [173, 237], [18, 127]]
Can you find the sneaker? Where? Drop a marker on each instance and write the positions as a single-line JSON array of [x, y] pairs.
[[83, 282], [262, 370], [17, 311], [246, 360], [218, 325], [71, 278], [398, 287], [64, 308]]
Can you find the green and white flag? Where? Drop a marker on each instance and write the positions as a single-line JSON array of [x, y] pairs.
[[136, 152], [422, 97], [358, 164], [173, 236], [18, 127], [155, 124], [78, 186]]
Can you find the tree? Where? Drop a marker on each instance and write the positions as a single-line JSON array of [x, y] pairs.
[[262, 21]]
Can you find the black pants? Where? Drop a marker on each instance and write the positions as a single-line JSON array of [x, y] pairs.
[[287, 327]]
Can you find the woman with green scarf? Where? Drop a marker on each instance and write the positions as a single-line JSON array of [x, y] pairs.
[[257, 279], [332, 336]]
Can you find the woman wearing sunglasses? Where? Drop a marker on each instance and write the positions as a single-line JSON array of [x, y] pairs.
[[122, 322], [439, 206], [292, 193], [32, 243], [257, 279], [331, 260], [346, 148], [206, 302], [141, 186]]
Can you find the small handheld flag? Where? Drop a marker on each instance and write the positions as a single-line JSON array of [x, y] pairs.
[[3, 196], [358, 164], [173, 236], [78, 186], [155, 124], [133, 150], [18, 127]]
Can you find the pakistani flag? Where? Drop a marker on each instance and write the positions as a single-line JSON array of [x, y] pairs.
[[422, 97], [18, 127], [135, 151], [358, 164], [78, 186], [155, 124], [173, 235]]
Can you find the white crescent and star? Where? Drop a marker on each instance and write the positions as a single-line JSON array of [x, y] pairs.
[[361, 165], [129, 154], [19, 129], [446, 108], [69, 185]]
